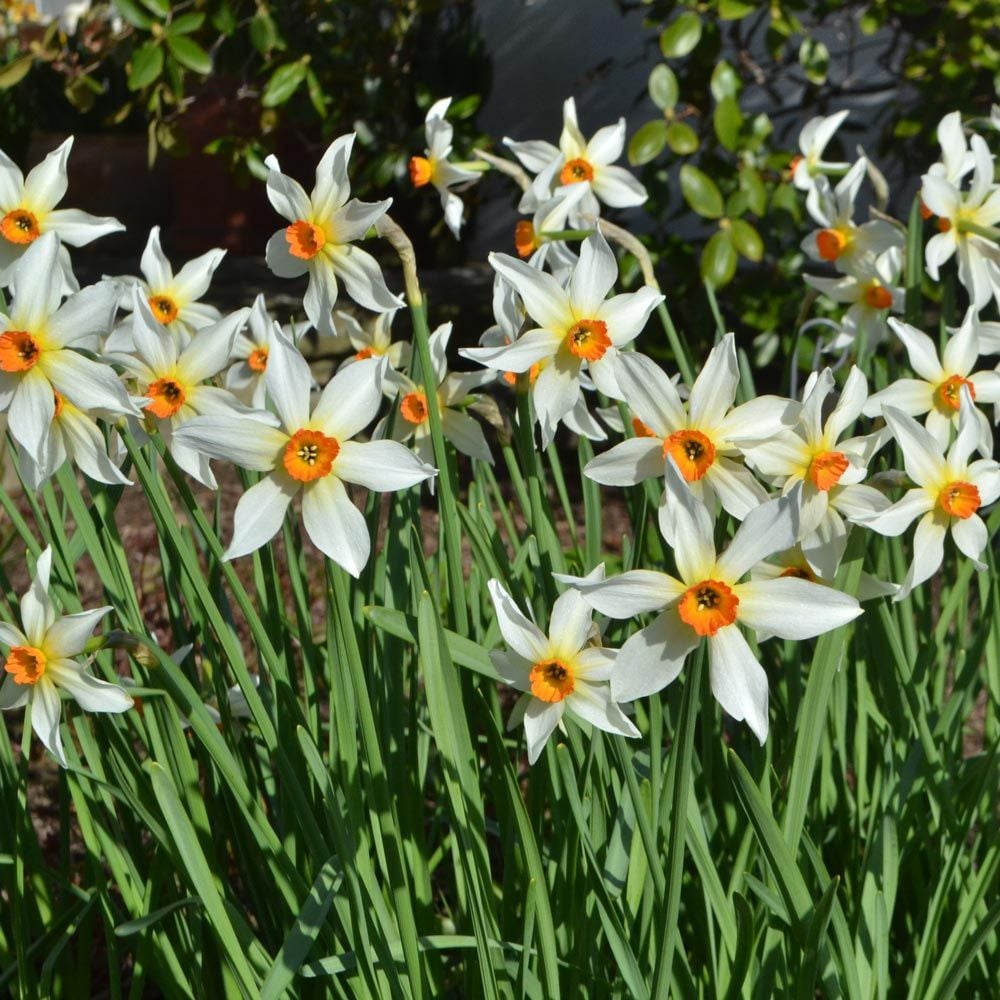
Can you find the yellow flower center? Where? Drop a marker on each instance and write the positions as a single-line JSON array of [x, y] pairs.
[[959, 500], [588, 339], [826, 468], [421, 171], [258, 359], [164, 308], [551, 680], [576, 171], [831, 243], [305, 240], [20, 226], [26, 664], [166, 397], [708, 606], [693, 452], [877, 296], [19, 351], [310, 455], [948, 394]]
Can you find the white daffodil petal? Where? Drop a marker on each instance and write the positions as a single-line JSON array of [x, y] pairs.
[[971, 537], [593, 705], [363, 279], [627, 594], [694, 542], [627, 463], [90, 693], [87, 313], [569, 624], [249, 443], [714, 390], [739, 682], [652, 657], [380, 465], [351, 399], [260, 512], [794, 609], [335, 526], [769, 528], [466, 434], [544, 298], [68, 635], [521, 635], [46, 711]]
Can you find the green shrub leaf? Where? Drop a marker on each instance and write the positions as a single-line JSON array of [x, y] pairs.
[[718, 260], [680, 37], [701, 192], [648, 142]]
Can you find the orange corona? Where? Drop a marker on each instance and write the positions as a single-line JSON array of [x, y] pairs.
[[421, 171], [305, 240], [551, 680], [166, 397], [588, 339], [960, 500], [414, 407], [26, 665], [164, 308], [693, 452], [576, 171], [525, 240], [877, 296], [826, 468], [258, 359], [19, 351], [708, 606], [310, 455], [831, 243], [948, 394], [20, 226]]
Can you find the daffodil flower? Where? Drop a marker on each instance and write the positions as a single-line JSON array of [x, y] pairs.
[[949, 492], [37, 350], [577, 326], [172, 379], [508, 310], [808, 166], [840, 241], [956, 157], [564, 671], [794, 562], [28, 209], [704, 439], [871, 292], [319, 240], [42, 662], [938, 391], [454, 391], [173, 299], [374, 340], [76, 437], [245, 376], [956, 212], [579, 169], [434, 168], [708, 601], [312, 453]]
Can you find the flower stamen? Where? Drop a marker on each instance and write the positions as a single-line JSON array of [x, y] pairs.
[[576, 171], [166, 397], [948, 394], [693, 452], [258, 359], [164, 308]]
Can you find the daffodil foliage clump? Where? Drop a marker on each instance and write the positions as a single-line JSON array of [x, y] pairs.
[[535, 668]]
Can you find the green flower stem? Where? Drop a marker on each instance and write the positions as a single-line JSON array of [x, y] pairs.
[[680, 351]]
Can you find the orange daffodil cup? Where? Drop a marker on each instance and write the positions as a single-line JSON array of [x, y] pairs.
[[576, 326], [565, 671], [708, 601], [312, 451], [42, 661], [319, 239]]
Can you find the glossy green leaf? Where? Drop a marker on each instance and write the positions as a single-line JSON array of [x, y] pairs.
[[189, 54], [735, 10], [146, 65], [285, 80], [681, 138], [648, 142], [727, 119], [746, 240], [701, 192], [132, 12], [718, 260], [14, 72], [186, 23], [752, 185], [681, 36], [159, 7], [814, 58], [725, 81], [663, 88]]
